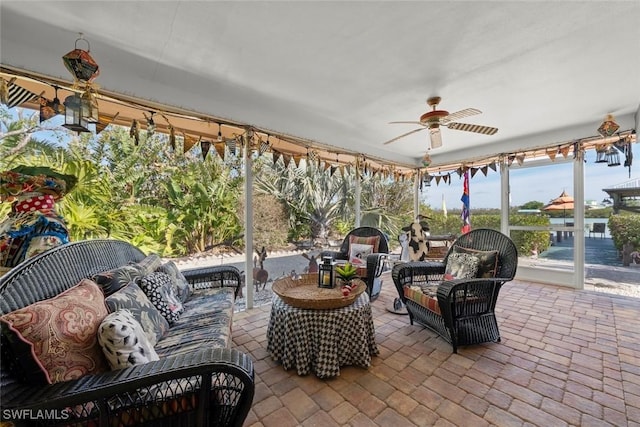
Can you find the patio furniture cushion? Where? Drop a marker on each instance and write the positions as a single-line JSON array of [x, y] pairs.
[[200, 326], [425, 295], [365, 240], [150, 263], [488, 260], [54, 340], [158, 287], [180, 284], [133, 298], [461, 266], [123, 341], [113, 280]]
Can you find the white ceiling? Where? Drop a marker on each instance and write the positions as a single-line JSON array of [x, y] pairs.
[[339, 72]]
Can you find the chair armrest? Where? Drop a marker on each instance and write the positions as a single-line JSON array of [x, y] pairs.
[[468, 297], [376, 264], [333, 255], [408, 273], [225, 376], [210, 277]]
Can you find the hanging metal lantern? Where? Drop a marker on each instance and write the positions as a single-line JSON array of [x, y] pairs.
[[76, 112], [601, 155], [80, 63], [613, 158]]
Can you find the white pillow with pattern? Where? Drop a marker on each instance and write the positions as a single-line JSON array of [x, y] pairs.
[[123, 341]]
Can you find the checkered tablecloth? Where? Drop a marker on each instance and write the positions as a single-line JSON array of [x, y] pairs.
[[321, 341]]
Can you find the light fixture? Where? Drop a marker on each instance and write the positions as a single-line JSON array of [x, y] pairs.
[[608, 126], [76, 113], [613, 158], [327, 273], [80, 63], [426, 159], [90, 100], [601, 154]]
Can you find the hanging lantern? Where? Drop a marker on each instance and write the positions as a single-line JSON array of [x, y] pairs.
[[80, 63], [327, 273], [613, 158], [608, 126], [76, 113], [601, 154]]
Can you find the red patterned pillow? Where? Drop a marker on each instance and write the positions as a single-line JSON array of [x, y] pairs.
[[61, 334]]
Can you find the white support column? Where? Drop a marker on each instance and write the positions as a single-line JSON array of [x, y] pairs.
[[358, 189], [505, 197], [248, 216], [578, 219], [416, 194]]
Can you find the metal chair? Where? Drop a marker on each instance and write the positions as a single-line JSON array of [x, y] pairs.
[[462, 311]]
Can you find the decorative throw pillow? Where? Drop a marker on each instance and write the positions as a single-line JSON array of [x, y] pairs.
[[461, 266], [134, 299], [180, 284], [488, 266], [60, 334], [358, 254], [371, 240], [149, 264], [123, 341], [158, 287], [113, 280]]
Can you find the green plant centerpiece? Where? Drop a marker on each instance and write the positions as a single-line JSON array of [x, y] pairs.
[[346, 273]]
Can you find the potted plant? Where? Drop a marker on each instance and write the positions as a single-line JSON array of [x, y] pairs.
[[346, 273]]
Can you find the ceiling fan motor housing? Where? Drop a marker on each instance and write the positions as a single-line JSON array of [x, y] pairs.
[[432, 118]]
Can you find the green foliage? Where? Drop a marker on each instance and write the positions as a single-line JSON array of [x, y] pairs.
[[530, 242], [532, 205], [625, 227]]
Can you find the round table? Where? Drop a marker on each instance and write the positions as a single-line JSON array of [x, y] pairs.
[[321, 341]]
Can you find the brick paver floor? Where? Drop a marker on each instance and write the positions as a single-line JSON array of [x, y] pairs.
[[567, 358]]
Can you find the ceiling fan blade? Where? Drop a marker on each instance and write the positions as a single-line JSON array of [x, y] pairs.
[[411, 123], [468, 127], [460, 115], [403, 135], [436, 137]]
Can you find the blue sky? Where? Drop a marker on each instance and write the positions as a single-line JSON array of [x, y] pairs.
[[531, 184]]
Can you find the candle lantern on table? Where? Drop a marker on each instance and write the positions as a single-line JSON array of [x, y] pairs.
[[327, 273]]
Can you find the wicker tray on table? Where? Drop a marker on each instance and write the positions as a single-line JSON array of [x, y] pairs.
[[305, 293]]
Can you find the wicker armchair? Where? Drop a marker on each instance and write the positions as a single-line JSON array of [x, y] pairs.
[[462, 310], [375, 261]]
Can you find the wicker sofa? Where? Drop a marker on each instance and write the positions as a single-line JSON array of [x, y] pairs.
[[198, 379]]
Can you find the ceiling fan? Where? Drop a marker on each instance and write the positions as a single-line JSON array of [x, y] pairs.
[[435, 118]]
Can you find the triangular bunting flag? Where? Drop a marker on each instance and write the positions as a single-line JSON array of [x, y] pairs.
[[264, 146], [438, 179], [552, 152], [485, 169], [565, 151], [205, 146], [333, 170], [286, 158], [459, 171], [104, 120], [520, 159], [188, 142], [446, 178], [493, 166], [296, 159], [49, 109], [473, 172], [510, 159], [220, 149], [17, 95], [276, 156], [327, 165], [231, 143]]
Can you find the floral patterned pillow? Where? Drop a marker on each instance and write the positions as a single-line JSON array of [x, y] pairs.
[[113, 280], [134, 299], [180, 284], [461, 266], [55, 340], [158, 287]]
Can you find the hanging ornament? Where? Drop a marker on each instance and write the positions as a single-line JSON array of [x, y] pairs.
[[151, 124], [134, 132], [80, 63], [426, 160], [220, 149]]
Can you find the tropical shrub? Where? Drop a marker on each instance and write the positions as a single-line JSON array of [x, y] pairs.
[[625, 228]]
